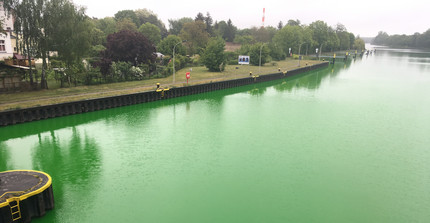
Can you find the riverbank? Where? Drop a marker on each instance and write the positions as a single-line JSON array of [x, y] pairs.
[[199, 75], [36, 113]]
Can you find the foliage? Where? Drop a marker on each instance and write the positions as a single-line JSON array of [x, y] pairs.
[[293, 22], [96, 50], [166, 46], [254, 53], [128, 15], [247, 39], [416, 40], [196, 36], [276, 53], [147, 16], [320, 32], [125, 71], [151, 31], [175, 26], [333, 41], [263, 34], [126, 24], [226, 30], [127, 46], [107, 25], [359, 44], [97, 36], [213, 57], [280, 25], [289, 37]]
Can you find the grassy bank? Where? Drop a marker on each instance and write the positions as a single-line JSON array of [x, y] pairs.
[[18, 100]]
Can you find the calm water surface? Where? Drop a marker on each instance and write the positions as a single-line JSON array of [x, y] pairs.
[[349, 143]]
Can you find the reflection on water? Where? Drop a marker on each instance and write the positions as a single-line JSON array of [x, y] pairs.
[[70, 156]]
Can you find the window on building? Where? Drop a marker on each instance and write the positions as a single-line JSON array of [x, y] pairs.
[[2, 46]]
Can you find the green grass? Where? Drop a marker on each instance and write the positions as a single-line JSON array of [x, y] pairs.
[[199, 75]]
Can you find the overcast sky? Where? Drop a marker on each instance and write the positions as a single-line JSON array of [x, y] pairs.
[[364, 18]]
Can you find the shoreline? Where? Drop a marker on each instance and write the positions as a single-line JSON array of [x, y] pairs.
[[150, 93]]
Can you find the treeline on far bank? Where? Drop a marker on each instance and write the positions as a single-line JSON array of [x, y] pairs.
[[417, 40], [127, 46]]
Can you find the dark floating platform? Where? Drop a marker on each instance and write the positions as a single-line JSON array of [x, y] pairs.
[[24, 194]]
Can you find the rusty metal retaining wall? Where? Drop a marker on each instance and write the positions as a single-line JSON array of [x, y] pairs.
[[77, 107]]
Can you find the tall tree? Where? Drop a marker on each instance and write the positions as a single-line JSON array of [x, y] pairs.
[[209, 21], [293, 22], [107, 25], [27, 24], [320, 31], [230, 32], [167, 44], [226, 30], [127, 14], [200, 17], [280, 25], [126, 24], [196, 36], [175, 26], [148, 16], [151, 31], [289, 37]]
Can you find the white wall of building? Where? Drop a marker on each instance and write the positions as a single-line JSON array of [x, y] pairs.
[[7, 24]]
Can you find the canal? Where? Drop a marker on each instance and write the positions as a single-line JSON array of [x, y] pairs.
[[347, 143]]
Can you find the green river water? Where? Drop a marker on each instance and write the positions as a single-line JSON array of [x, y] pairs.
[[347, 143]]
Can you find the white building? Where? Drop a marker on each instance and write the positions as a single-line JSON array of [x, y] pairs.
[[6, 47]]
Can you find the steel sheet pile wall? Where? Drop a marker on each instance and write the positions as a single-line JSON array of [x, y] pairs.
[[58, 110]]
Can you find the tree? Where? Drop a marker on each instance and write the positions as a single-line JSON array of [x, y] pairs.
[[97, 37], [263, 34], [196, 36], [333, 41], [126, 24], [289, 37], [320, 31], [209, 21], [107, 25], [166, 45], [214, 57], [359, 44], [344, 40], [27, 24], [226, 30], [152, 32], [293, 22], [280, 25], [247, 39], [175, 26], [129, 46], [254, 54], [127, 14], [200, 17], [381, 38], [148, 16], [230, 32]]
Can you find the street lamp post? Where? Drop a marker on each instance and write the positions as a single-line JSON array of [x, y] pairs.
[[259, 65], [320, 51], [174, 59], [300, 46]]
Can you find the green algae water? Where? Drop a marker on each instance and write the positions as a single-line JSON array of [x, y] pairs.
[[348, 143]]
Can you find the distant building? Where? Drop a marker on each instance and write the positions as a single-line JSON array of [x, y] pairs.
[[7, 39]]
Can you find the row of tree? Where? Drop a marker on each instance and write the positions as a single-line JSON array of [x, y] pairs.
[[50, 25], [123, 47], [417, 40]]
